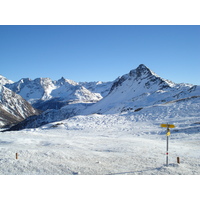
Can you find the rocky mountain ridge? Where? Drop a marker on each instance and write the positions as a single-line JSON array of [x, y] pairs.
[[13, 108], [43, 93], [129, 93], [139, 88], [4, 81]]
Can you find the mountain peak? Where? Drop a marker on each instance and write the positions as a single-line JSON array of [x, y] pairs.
[[141, 77], [4, 80], [141, 71], [142, 66], [63, 81]]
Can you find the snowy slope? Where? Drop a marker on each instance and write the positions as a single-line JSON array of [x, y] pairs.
[[4, 81], [59, 99], [118, 135], [33, 90], [42, 90], [130, 143], [75, 92], [13, 107], [51, 115], [100, 87], [140, 88]]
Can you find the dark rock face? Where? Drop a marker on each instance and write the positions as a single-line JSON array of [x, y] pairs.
[[118, 82], [14, 108], [137, 75], [140, 71]]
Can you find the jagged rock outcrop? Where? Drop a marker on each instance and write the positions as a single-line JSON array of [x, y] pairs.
[[43, 93], [13, 108]]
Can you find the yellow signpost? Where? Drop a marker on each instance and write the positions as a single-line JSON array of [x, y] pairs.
[[167, 125], [167, 134]]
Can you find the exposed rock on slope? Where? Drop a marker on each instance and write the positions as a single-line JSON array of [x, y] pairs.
[[43, 93], [139, 88], [13, 107]]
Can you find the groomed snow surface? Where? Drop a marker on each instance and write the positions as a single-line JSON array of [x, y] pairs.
[[130, 143]]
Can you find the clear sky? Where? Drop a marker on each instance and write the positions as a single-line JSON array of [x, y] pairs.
[[99, 53]]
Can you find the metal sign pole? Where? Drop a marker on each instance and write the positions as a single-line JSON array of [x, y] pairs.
[[167, 153], [167, 134]]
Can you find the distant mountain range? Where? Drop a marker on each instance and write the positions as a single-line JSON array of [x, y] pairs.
[[58, 100]]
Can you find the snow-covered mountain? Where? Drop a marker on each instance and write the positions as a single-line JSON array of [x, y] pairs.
[[4, 81], [43, 93], [58, 99], [120, 134], [39, 88], [100, 87], [140, 88], [13, 107]]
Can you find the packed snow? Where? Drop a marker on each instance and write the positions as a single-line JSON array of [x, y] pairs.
[[129, 143]]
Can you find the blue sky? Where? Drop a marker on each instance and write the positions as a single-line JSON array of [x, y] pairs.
[[99, 53]]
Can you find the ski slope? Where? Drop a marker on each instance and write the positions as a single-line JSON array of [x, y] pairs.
[[129, 143]]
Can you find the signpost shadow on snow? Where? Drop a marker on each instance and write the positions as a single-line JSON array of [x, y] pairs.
[[135, 172], [158, 169]]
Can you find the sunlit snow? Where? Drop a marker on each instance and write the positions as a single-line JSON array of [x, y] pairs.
[[113, 144]]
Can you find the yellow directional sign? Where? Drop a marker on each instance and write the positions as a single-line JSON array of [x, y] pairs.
[[168, 133], [167, 125]]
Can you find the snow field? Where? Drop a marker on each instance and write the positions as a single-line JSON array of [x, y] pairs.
[[101, 145], [128, 143]]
